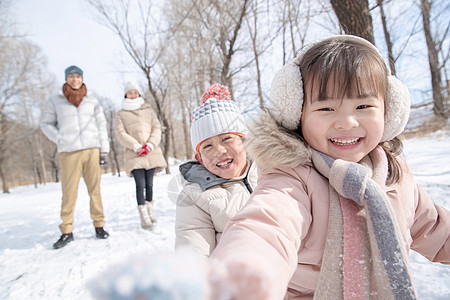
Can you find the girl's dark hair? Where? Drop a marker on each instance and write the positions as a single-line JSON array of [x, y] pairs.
[[330, 65]]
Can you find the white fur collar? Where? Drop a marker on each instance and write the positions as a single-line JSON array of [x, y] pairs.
[[132, 104], [271, 145]]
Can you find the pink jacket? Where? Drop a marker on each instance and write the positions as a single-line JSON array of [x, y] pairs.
[[278, 238]]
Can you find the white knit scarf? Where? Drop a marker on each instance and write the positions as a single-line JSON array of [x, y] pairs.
[[364, 254], [132, 104]]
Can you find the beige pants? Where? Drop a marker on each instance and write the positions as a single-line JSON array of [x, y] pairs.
[[74, 165]]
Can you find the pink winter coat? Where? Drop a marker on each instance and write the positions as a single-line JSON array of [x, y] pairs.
[[279, 236]]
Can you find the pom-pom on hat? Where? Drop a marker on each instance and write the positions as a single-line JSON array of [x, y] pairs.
[[131, 86], [73, 70], [217, 91], [217, 114]]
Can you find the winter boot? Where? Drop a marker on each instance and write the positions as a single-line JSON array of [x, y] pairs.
[[100, 233], [149, 205], [63, 240], [146, 222]]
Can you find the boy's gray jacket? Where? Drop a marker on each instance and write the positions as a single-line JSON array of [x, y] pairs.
[[206, 203], [74, 128]]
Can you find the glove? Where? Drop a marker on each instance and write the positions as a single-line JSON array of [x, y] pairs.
[[143, 150], [103, 158], [150, 147], [138, 149]]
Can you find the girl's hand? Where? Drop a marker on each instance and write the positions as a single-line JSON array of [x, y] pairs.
[[164, 276]]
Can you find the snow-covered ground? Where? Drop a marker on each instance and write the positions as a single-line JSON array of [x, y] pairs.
[[31, 269]]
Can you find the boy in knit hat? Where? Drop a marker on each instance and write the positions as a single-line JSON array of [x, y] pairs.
[[219, 182]]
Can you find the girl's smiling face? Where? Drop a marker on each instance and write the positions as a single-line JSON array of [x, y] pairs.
[[345, 89], [345, 129], [223, 155]]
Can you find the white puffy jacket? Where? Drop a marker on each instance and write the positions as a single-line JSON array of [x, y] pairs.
[[74, 128], [206, 203]]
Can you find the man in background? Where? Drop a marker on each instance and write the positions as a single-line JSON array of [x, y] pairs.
[[74, 120]]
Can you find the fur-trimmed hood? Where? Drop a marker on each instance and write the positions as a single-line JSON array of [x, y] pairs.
[[272, 146]]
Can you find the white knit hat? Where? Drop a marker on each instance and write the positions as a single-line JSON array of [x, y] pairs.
[[132, 86], [217, 114], [286, 94]]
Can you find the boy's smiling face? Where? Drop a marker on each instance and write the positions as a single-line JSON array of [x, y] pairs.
[[223, 155]]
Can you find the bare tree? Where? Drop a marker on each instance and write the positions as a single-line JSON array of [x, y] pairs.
[[227, 40], [387, 36], [21, 63], [114, 153], [144, 46], [206, 47], [52, 157], [220, 23], [295, 23], [433, 60], [256, 52], [399, 28], [354, 17]]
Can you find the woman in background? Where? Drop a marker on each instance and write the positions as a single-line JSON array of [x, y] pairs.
[[139, 131]]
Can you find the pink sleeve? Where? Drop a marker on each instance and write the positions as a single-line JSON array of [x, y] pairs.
[[259, 245], [431, 229]]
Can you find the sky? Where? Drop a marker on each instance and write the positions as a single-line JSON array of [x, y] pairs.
[[133, 259], [68, 34]]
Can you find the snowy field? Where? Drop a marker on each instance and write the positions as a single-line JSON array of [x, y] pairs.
[[31, 269]]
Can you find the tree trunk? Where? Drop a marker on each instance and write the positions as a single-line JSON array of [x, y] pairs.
[[387, 37], [112, 145], [42, 162], [55, 169], [35, 172], [33, 163], [187, 138], [115, 159], [165, 128], [168, 132], [227, 45], [253, 36], [433, 60], [173, 143], [4, 181], [354, 17]]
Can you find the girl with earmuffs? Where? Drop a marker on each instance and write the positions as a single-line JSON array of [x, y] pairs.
[[336, 209]]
